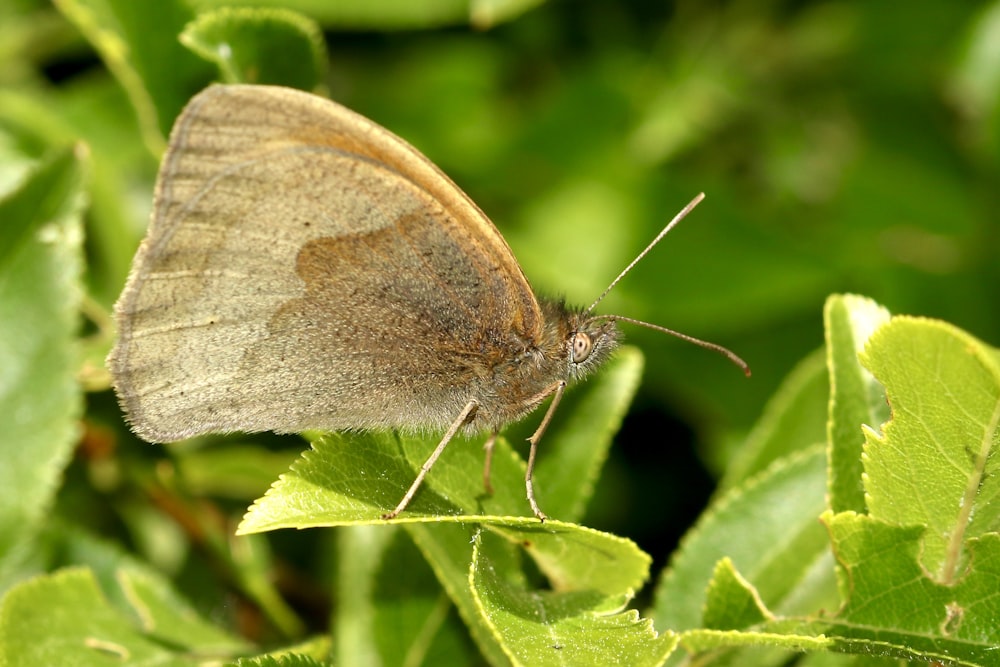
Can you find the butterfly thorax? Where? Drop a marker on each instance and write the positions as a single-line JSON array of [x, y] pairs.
[[567, 346]]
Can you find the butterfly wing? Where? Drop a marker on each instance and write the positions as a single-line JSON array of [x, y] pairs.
[[305, 268]]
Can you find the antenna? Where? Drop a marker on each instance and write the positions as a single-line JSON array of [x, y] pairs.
[[670, 225], [715, 347], [726, 352]]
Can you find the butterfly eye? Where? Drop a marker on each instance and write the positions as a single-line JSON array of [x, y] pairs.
[[582, 345]]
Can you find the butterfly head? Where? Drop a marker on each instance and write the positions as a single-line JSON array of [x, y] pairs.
[[590, 341]]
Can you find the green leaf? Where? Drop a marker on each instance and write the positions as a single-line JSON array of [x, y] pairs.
[[382, 582], [777, 544], [574, 627], [573, 558], [793, 420], [355, 478], [889, 589], [310, 653], [287, 660], [447, 548], [577, 558], [935, 463], [895, 609], [349, 479], [166, 617], [578, 562], [855, 397], [398, 14], [274, 46], [702, 641], [845, 660], [944, 388], [731, 602], [67, 615], [40, 401], [43, 196]]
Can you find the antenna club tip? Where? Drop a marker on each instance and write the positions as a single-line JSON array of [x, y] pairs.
[[744, 366]]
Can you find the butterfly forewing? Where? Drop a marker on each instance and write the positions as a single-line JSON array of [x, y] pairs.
[[305, 268]]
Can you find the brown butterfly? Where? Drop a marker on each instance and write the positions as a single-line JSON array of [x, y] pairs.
[[305, 268]]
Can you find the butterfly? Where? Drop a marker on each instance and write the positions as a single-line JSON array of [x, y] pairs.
[[306, 269]]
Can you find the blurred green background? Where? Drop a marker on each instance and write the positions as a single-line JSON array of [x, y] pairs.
[[843, 146]]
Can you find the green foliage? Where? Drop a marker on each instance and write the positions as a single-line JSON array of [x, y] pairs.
[[955, 501], [855, 520], [65, 617], [40, 264], [855, 396], [259, 46]]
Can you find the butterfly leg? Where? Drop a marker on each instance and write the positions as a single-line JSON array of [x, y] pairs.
[[557, 391], [488, 462], [460, 421]]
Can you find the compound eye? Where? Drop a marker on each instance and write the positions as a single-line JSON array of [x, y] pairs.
[[582, 345]]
